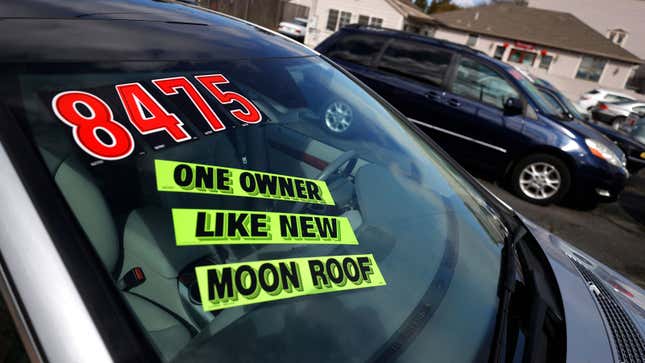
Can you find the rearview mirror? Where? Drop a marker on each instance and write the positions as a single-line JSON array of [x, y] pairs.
[[513, 107]]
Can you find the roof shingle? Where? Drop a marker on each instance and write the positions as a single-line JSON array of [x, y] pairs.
[[537, 26]]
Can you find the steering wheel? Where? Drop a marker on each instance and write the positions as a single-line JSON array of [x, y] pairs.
[[349, 157]]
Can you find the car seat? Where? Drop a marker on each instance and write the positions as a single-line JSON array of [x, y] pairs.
[[168, 331]]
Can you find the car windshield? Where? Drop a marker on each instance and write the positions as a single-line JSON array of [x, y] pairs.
[[266, 210]]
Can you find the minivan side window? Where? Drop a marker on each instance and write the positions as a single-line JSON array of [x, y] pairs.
[[359, 49], [416, 61], [481, 83]]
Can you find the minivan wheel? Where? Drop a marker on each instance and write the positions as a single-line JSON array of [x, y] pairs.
[[541, 179], [338, 117], [618, 122]]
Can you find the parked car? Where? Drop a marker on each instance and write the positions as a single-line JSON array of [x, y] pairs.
[[483, 112], [615, 114], [591, 98], [294, 29], [174, 200], [631, 142]]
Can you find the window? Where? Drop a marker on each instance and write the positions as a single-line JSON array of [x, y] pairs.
[[472, 40], [591, 68], [545, 61], [416, 61], [640, 110], [363, 19], [617, 36], [522, 57], [11, 348], [499, 52], [361, 49], [613, 98], [377, 22], [345, 18], [332, 20], [480, 83]]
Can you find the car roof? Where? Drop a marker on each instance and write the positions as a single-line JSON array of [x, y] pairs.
[[368, 29], [70, 30]]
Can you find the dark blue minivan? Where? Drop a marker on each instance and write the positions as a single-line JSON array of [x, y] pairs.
[[484, 112]]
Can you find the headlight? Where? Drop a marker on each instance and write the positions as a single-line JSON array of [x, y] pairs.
[[601, 151]]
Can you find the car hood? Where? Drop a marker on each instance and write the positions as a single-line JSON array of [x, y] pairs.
[[589, 132], [588, 329]]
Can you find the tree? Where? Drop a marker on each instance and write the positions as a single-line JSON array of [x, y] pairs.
[[440, 6], [421, 4]]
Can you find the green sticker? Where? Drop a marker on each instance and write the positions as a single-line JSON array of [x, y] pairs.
[[214, 227], [173, 176], [236, 284]]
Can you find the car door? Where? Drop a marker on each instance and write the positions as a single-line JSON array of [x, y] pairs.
[[411, 76], [484, 135]]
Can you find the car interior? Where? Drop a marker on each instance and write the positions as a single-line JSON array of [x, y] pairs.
[[128, 222]]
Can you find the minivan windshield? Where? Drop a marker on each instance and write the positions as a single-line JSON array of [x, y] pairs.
[[266, 210], [542, 104]]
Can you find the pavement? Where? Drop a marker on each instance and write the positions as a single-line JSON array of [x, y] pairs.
[[612, 233]]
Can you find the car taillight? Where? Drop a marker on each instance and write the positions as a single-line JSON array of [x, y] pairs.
[[298, 31], [602, 106]]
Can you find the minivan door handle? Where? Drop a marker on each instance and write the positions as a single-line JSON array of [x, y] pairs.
[[434, 95], [454, 102]]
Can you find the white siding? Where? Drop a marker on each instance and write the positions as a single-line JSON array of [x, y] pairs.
[[319, 12], [451, 35], [615, 74]]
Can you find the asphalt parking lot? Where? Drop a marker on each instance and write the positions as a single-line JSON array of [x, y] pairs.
[[613, 233]]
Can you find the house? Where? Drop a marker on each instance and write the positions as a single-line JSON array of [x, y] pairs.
[[550, 44], [327, 16], [621, 21]]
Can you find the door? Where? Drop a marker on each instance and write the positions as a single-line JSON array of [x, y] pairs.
[[483, 134], [411, 76]]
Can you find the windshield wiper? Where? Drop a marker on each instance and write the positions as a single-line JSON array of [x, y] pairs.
[[530, 310], [509, 275]]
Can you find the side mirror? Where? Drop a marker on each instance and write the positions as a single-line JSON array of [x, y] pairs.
[[513, 107]]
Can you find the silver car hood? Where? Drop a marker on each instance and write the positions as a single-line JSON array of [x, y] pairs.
[[588, 329]]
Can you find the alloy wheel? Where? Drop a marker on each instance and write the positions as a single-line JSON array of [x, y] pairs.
[[540, 180]]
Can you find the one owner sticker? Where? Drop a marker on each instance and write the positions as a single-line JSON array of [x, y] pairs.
[[236, 284], [173, 176], [200, 227]]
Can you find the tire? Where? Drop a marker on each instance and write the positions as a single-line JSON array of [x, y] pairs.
[[534, 177], [617, 122]]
